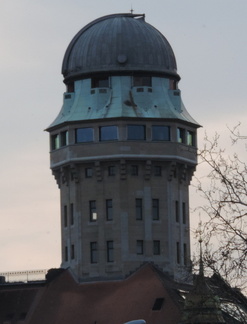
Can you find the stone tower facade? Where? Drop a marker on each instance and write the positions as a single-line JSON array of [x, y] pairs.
[[123, 151]]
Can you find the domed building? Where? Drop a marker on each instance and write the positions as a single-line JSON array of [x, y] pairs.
[[123, 151]]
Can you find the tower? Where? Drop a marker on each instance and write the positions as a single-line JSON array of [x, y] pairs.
[[123, 151]]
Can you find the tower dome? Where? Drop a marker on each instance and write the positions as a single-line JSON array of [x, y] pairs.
[[119, 44]]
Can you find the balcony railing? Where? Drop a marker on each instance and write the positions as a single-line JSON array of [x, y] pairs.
[[22, 276]]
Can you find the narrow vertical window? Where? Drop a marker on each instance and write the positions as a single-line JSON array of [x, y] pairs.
[[184, 212], [92, 211], [111, 170], [177, 211], [157, 170], [178, 253], [138, 209], [156, 247], [94, 252], [66, 257], [88, 172], [181, 135], [64, 138], [190, 138], [134, 170], [71, 214], [139, 247], [55, 142], [109, 210], [65, 216], [185, 254], [110, 250], [72, 252], [155, 209]]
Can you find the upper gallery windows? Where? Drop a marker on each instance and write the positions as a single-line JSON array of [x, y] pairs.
[[131, 132]]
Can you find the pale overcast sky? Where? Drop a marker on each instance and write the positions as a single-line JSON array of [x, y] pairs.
[[209, 41]]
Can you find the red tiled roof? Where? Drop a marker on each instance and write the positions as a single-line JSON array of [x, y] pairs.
[[114, 302]]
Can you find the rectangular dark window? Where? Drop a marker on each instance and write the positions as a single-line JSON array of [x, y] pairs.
[[158, 304], [71, 87], [83, 135], [190, 138], [160, 133], [66, 257], [88, 172], [139, 247], [100, 82], [181, 135], [184, 213], [55, 142], [157, 170], [155, 209], [173, 84], [178, 252], [64, 138], [177, 211], [142, 81], [185, 254], [109, 209], [92, 211], [156, 247], [65, 216], [72, 252], [136, 132], [134, 170], [111, 170], [110, 251], [71, 214], [94, 252], [108, 133], [138, 209]]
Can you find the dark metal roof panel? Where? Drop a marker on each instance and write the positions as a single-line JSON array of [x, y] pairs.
[[119, 43]]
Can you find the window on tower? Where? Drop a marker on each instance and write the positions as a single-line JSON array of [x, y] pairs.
[[108, 133], [100, 82], [155, 209], [181, 135], [88, 172], [110, 251], [64, 138], [72, 252], [160, 133], [72, 214], [94, 252], [177, 211], [136, 132], [109, 209], [83, 135], [139, 247], [156, 247], [92, 211], [65, 216], [142, 81], [184, 212], [111, 170], [190, 138], [185, 254], [138, 208], [55, 142], [178, 252]]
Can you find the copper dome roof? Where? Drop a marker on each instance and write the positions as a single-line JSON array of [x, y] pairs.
[[118, 44]]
